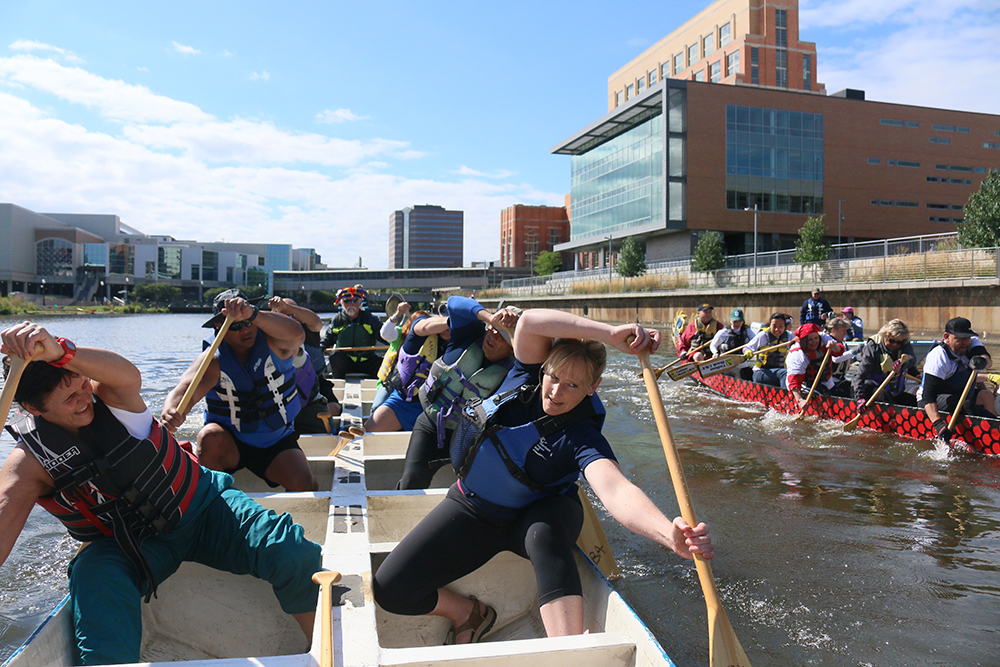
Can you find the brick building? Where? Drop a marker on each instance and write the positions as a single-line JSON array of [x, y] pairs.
[[526, 231]]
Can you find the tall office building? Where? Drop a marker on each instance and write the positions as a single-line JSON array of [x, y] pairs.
[[426, 237], [737, 42], [685, 157]]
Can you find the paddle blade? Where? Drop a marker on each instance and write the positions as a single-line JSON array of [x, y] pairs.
[[592, 540], [724, 648], [682, 371], [719, 365]]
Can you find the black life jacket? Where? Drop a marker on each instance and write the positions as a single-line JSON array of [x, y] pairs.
[[734, 339], [108, 483]]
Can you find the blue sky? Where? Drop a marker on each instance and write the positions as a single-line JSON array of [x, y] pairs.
[[310, 122]]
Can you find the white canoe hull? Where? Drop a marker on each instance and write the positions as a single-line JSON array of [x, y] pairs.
[[215, 619]]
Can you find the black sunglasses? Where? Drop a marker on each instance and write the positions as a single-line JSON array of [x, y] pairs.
[[350, 300], [894, 341], [238, 326]]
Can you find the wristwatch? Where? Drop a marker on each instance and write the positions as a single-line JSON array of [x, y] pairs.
[[69, 348]]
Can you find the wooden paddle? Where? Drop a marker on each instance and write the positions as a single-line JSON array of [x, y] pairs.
[[346, 437], [325, 417], [958, 408], [331, 350], [17, 366], [853, 424], [724, 648], [819, 375], [659, 371], [326, 579], [200, 373]]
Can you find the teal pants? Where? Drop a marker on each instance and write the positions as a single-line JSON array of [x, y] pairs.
[[227, 531]]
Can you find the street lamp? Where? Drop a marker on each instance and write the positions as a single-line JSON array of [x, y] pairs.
[[840, 218], [754, 241], [609, 237], [43, 292]]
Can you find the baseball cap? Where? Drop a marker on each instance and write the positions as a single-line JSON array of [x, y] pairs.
[[705, 306], [220, 302], [736, 315], [848, 309], [960, 328]]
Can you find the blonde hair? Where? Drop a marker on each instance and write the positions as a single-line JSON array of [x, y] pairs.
[[895, 329], [567, 350]]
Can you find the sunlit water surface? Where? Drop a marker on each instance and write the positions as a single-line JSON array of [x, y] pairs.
[[833, 549]]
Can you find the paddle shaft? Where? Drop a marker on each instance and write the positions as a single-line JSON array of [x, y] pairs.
[[819, 376], [370, 348], [849, 426], [200, 373], [724, 647], [326, 580], [965, 392], [17, 366]]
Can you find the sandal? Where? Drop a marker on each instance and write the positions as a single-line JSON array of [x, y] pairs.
[[479, 623]]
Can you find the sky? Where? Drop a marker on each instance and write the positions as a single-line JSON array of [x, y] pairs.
[[311, 122]]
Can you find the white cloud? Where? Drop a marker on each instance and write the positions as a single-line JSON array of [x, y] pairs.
[[227, 53], [468, 171], [201, 178], [263, 76], [339, 116], [185, 49], [112, 98], [32, 45], [142, 69]]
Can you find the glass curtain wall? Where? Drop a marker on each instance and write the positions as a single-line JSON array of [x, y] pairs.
[[54, 257]]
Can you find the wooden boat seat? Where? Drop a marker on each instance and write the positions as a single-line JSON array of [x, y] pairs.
[[590, 650]]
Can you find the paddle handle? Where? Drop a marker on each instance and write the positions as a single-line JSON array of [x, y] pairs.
[[705, 576], [965, 392], [885, 383], [326, 581], [200, 373], [819, 376], [17, 366]]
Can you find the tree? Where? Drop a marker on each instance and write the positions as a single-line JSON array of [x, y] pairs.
[[547, 263], [810, 247], [710, 253], [981, 228], [631, 259], [157, 292]]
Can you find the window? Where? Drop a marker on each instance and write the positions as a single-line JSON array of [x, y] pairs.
[[940, 140], [733, 63], [54, 257], [618, 98], [640, 85], [699, 75], [895, 202], [781, 67], [692, 54], [754, 65], [725, 35], [989, 144], [709, 44], [716, 71], [806, 71], [950, 128], [874, 160], [195, 272], [899, 123], [651, 78], [781, 28], [956, 167], [947, 207], [678, 63], [665, 71], [902, 163], [629, 91]]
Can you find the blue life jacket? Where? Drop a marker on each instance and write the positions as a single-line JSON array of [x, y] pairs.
[[260, 400], [492, 467]]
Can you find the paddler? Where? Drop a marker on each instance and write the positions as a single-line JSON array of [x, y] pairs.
[[804, 361], [736, 335], [89, 452], [475, 362], [353, 326], [769, 367], [880, 356], [699, 331], [947, 368], [251, 399]]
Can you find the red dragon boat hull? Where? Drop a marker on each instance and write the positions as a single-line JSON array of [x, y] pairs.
[[981, 435]]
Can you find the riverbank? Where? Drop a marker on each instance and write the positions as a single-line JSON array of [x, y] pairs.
[[18, 306]]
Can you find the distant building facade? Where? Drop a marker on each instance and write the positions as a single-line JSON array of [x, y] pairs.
[[426, 237], [526, 231], [86, 257], [736, 42]]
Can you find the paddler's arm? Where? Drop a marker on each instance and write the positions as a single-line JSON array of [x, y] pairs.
[[284, 335], [23, 480], [428, 326], [170, 417], [307, 317], [633, 509], [538, 326]]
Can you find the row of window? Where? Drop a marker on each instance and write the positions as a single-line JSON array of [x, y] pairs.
[[913, 204], [946, 207], [955, 167], [935, 218], [950, 128], [739, 200], [953, 181], [941, 140], [989, 144]]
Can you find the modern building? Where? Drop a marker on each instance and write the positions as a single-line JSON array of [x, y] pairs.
[[526, 231], [86, 257], [426, 237], [737, 42], [684, 157]]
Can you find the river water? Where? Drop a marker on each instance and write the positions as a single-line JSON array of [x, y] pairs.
[[832, 549]]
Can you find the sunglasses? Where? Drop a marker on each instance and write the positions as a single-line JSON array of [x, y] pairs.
[[893, 341], [238, 326], [350, 300]]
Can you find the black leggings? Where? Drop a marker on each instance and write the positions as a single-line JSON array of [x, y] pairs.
[[455, 540], [423, 456]]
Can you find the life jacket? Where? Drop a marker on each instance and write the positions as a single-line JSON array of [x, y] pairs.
[[305, 377], [449, 386], [354, 333], [492, 465], [775, 358], [315, 351], [260, 400], [813, 367], [885, 362], [388, 364], [703, 333], [733, 339], [108, 483], [412, 370], [956, 383]]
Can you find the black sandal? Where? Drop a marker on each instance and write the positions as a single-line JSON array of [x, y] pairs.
[[479, 623]]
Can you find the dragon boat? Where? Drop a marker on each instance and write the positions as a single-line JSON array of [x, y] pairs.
[[975, 433], [206, 618]]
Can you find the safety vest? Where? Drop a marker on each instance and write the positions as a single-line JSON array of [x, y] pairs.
[[450, 385], [354, 333], [813, 368], [412, 370], [733, 339], [493, 465], [774, 358], [259, 400], [108, 483]]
